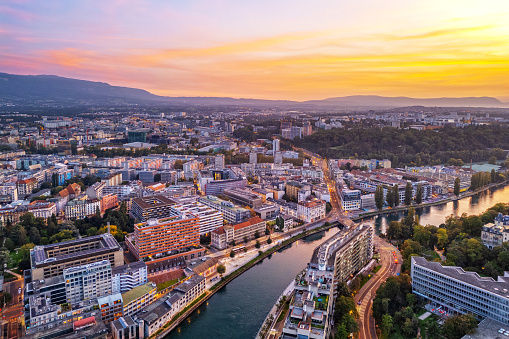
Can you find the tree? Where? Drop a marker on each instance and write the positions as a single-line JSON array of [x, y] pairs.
[[257, 245], [442, 238], [457, 183], [492, 160], [34, 235], [386, 324], [267, 230], [245, 240], [9, 244], [379, 197], [257, 235], [221, 269], [408, 193], [418, 195], [458, 326], [390, 197], [269, 241], [432, 330], [395, 191], [232, 254]]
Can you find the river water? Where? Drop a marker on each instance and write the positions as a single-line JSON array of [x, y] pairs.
[[238, 309]]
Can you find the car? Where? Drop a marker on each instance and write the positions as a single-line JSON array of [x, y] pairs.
[[359, 302], [19, 290]]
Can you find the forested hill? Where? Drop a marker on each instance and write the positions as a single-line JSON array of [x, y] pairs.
[[407, 146]]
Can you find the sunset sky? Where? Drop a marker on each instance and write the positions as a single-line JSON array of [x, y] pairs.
[[273, 49]]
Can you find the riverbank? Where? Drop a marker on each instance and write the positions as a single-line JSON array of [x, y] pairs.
[[175, 322], [434, 203]]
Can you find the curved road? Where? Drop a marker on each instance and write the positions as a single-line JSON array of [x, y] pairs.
[[367, 329]]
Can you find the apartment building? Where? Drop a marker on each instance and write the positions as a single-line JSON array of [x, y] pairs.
[[89, 281], [158, 238], [231, 213], [10, 191], [51, 260], [127, 277], [26, 186], [310, 211], [495, 234], [138, 298], [96, 190], [209, 219], [111, 307], [456, 291], [113, 179], [79, 209], [108, 201], [189, 290], [42, 209], [224, 235], [350, 199], [152, 207]]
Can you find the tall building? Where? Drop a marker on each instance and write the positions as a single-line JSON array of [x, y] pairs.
[[158, 238], [88, 281], [152, 207], [209, 219], [278, 158], [275, 146], [296, 132], [286, 133], [456, 291], [219, 161], [307, 129], [231, 213], [253, 157], [50, 260]]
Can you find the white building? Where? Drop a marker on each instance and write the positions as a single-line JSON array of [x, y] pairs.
[[219, 161], [42, 209], [310, 211], [350, 199], [209, 219], [88, 281], [127, 277]]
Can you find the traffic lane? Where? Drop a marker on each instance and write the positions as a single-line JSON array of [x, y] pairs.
[[14, 288], [13, 313]]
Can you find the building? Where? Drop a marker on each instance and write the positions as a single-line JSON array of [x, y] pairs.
[[79, 209], [209, 219], [109, 201], [225, 235], [278, 158], [156, 315], [138, 298], [219, 161], [189, 290], [42, 209], [127, 277], [495, 234], [267, 211], [147, 177], [110, 307], [159, 238], [9, 191], [89, 281], [231, 213], [113, 179], [96, 190], [292, 189], [126, 328], [350, 199], [253, 157], [50, 260], [307, 129], [455, 291], [243, 197], [153, 207], [312, 210], [26, 186], [346, 253], [137, 136], [275, 146]]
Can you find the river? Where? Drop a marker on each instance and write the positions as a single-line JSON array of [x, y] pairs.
[[238, 310]]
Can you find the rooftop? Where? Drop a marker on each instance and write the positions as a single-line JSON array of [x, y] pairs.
[[138, 292]]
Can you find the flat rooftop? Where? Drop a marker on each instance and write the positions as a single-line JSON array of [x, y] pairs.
[[137, 292], [153, 201]]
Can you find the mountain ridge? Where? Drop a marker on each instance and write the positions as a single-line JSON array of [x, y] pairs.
[[36, 88]]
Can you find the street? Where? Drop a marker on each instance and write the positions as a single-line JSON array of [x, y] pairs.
[[367, 329], [13, 311]]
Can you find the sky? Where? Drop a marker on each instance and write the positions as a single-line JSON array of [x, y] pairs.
[[266, 49]]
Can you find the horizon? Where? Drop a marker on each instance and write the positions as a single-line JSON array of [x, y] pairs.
[[423, 49]]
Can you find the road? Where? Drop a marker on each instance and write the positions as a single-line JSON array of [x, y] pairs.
[[13, 311], [367, 328]]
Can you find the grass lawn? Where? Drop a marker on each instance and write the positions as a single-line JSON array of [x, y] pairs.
[[377, 268], [15, 259], [165, 284]]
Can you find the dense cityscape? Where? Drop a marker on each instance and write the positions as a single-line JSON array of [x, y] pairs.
[[254, 170]]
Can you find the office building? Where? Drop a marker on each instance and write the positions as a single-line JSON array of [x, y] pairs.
[[350, 199], [244, 197], [110, 307], [225, 235], [275, 146], [455, 291], [152, 207], [159, 238], [51, 260], [127, 277], [88, 281], [231, 213], [209, 219]]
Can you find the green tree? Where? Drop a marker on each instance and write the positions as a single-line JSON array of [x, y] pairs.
[[35, 236], [221, 269], [432, 330], [232, 254], [394, 230], [395, 191], [442, 238], [457, 187], [418, 195], [269, 241], [341, 332], [390, 197], [257, 245], [408, 193], [492, 160], [9, 244], [245, 240], [458, 326], [379, 197], [386, 324]]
